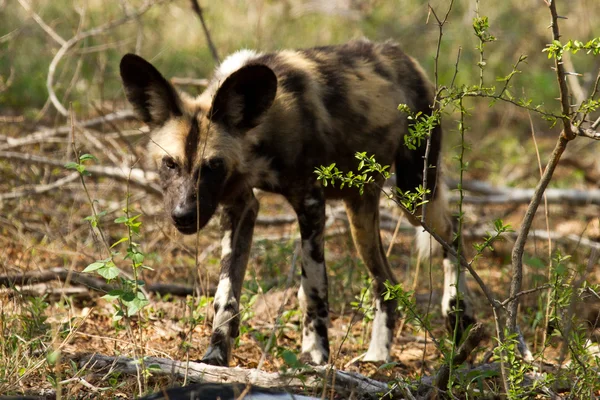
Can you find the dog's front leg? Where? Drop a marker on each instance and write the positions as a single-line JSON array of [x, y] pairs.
[[237, 223]]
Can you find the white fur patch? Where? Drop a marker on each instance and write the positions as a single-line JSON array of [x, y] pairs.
[[449, 286], [381, 337], [437, 217], [313, 279], [450, 289], [226, 244], [234, 62], [311, 342], [224, 293], [169, 140]]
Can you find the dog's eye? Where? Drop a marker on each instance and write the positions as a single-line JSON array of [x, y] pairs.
[[216, 163], [169, 163]]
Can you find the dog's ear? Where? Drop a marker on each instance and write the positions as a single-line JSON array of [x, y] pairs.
[[153, 98], [245, 96]]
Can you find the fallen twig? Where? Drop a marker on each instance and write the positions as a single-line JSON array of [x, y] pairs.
[[505, 195], [39, 189], [89, 281], [44, 133], [137, 177]]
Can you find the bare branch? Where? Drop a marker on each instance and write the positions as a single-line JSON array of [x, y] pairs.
[[189, 81], [90, 281], [588, 133], [45, 133], [51, 32], [565, 137], [523, 196], [39, 189], [140, 178], [198, 10], [83, 35]]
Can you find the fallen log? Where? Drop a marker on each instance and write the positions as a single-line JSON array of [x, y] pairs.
[[505, 195], [223, 391], [348, 384]]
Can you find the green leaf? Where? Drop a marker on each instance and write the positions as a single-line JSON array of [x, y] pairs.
[[128, 296], [110, 297], [86, 156], [387, 366], [123, 239], [290, 358], [94, 266], [121, 220], [137, 258], [109, 272], [71, 165], [136, 304], [154, 367], [52, 357]]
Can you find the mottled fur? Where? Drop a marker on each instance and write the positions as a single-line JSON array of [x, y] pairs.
[[267, 121]]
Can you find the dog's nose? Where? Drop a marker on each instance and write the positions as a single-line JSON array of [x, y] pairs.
[[183, 215]]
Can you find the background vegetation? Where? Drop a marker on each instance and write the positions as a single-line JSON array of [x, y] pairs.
[[41, 327]]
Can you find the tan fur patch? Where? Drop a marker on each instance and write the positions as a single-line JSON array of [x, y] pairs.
[[169, 140]]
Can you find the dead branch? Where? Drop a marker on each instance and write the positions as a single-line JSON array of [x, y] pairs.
[[189, 81], [198, 10], [51, 293], [44, 133], [67, 45], [39, 189], [566, 135], [137, 177], [344, 383], [388, 222], [51, 32], [90, 282], [538, 234], [485, 193], [587, 132]]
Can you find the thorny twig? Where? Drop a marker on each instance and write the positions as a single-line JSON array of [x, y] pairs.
[[566, 135]]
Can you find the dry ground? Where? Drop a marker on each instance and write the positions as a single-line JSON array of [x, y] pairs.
[[38, 232]]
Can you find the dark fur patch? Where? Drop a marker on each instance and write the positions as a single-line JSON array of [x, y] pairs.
[[139, 78], [295, 82], [319, 304], [191, 144], [464, 320]]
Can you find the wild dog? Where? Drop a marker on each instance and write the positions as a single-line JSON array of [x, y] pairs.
[[267, 121]]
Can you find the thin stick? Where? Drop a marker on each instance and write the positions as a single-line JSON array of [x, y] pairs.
[[213, 50], [76, 39], [565, 137]]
